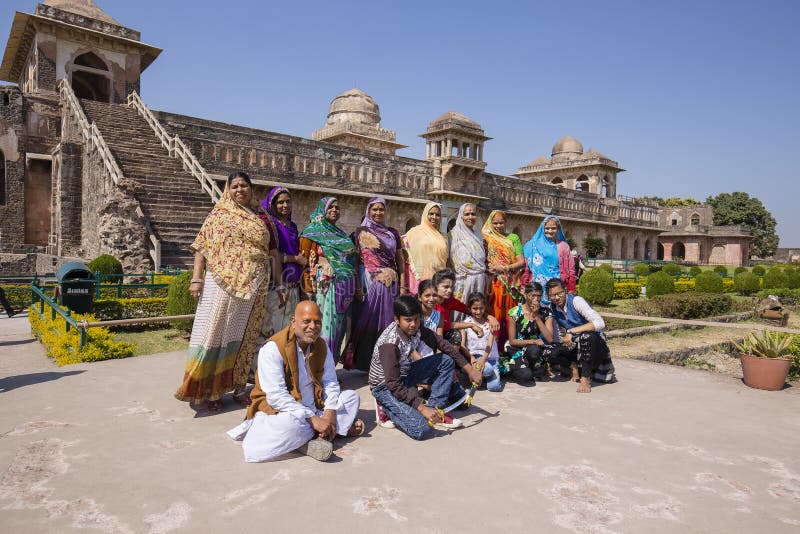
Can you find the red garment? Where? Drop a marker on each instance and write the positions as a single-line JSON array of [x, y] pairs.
[[566, 266], [447, 307]]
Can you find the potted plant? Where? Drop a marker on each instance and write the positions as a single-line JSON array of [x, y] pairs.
[[765, 364]]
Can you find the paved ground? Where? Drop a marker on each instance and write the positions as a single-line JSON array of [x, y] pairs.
[[667, 449]]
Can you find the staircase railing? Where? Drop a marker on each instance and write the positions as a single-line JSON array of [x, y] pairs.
[[176, 147], [95, 143]]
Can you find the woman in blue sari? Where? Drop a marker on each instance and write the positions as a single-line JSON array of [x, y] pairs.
[[548, 256]]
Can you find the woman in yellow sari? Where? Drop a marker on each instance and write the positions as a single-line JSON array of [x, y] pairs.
[[426, 247], [504, 262], [231, 276]]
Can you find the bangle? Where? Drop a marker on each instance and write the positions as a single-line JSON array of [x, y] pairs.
[[197, 281]]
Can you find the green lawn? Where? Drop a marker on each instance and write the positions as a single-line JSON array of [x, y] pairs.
[[155, 341]]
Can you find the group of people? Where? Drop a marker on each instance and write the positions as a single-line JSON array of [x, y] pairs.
[[430, 315]]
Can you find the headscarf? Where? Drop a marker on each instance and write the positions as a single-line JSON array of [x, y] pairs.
[[500, 249], [426, 245], [339, 249], [466, 247], [380, 239], [542, 254], [235, 244], [288, 236]]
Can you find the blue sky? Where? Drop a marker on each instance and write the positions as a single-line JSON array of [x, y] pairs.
[[692, 98]]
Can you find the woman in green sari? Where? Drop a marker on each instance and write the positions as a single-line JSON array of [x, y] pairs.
[[332, 261]]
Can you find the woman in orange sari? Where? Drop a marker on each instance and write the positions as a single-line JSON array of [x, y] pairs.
[[504, 262]]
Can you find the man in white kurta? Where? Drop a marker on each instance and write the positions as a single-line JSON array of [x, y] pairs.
[[297, 422]]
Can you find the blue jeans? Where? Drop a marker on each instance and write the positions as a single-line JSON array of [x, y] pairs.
[[490, 370], [436, 370]]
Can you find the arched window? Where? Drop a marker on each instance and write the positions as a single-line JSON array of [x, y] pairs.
[[91, 78], [557, 182], [678, 251], [695, 219], [582, 183], [411, 223]]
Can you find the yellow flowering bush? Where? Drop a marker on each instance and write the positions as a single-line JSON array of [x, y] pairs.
[[64, 346], [627, 289]]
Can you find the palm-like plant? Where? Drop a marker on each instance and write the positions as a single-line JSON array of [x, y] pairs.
[[767, 344]]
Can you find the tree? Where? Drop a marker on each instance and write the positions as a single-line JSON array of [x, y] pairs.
[[672, 201], [594, 246], [742, 209]]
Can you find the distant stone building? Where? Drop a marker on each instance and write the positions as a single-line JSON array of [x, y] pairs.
[[86, 168], [690, 235]]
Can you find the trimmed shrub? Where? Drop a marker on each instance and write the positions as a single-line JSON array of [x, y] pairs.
[[721, 270], [597, 286], [655, 267], [759, 270], [793, 278], [776, 279], [112, 309], [782, 293], [181, 302], [739, 269], [708, 282], [105, 264], [660, 283], [694, 270], [64, 347], [685, 305], [607, 267], [627, 289], [671, 269], [746, 283], [642, 269]]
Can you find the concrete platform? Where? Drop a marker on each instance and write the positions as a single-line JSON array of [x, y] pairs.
[[105, 446]]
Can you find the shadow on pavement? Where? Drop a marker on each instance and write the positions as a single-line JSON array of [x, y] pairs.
[[16, 342], [13, 382]]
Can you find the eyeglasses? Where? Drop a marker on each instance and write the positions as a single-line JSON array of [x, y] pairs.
[[556, 295]]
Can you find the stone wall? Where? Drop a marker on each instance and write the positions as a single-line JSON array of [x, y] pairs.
[[12, 145]]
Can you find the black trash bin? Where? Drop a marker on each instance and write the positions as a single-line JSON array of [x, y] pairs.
[[75, 287]]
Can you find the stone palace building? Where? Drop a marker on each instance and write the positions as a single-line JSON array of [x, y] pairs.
[[87, 168]]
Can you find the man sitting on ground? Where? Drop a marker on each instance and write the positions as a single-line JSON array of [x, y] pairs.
[[407, 354], [584, 344], [296, 402]]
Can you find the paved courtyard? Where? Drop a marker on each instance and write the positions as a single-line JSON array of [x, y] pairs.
[[105, 446]]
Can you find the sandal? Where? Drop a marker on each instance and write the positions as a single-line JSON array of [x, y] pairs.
[[214, 406], [243, 399], [357, 429]]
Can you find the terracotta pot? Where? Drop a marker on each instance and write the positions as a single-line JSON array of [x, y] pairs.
[[765, 373]]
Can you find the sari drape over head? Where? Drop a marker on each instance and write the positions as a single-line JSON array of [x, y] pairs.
[[548, 259], [427, 248], [287, 234], [377, 245], [468, 257]]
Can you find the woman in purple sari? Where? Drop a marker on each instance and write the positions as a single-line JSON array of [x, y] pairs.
[[284, 294], [383, 278]]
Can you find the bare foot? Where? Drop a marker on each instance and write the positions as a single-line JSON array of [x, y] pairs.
[[585, 386], [574, 368], [357, 429]]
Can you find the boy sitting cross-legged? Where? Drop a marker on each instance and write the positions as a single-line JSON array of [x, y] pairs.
[[407, 354]]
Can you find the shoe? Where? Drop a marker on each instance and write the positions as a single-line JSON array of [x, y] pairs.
[[319, 449], [450, 422], [12, 314], [381, 418]]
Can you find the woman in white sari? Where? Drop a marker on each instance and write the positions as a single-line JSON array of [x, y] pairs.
[[467, 254]]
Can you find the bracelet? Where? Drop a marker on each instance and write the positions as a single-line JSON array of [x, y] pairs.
[[197, 281]]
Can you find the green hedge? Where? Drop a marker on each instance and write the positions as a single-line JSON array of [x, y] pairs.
[[685, 305], [746, 283], [694, 270], [642, 269], [739, 269], [597, 286], [114, 309], [721, 270], [181, 302], [783, 293], [660, 283], [105, 264], [672, 269], [776, 279], [759, 270], [708, 282]]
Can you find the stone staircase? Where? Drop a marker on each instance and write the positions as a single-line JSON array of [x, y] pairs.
[[171, 198]]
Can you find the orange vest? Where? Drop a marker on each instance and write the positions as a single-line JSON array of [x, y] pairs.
[[285, 339]]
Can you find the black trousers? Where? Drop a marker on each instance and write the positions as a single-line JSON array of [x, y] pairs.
[[5, 304], [591, 353]]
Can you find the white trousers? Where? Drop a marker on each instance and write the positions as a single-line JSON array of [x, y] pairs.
[[269, 436]]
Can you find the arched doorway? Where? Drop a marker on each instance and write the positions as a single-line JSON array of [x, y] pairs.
[[636, 251], [660, 254], [678, 251], [623, 248], [90, 77], [609, 247], [582, 183], [451, 224], [411, 223]]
